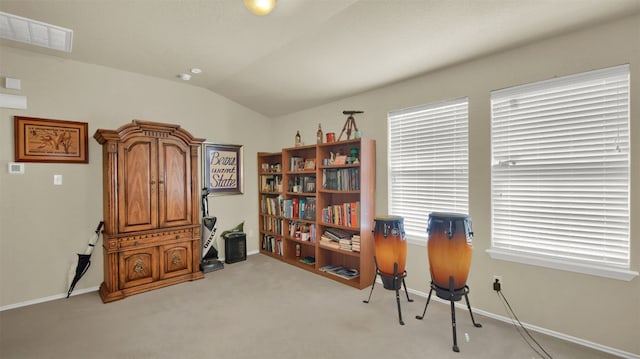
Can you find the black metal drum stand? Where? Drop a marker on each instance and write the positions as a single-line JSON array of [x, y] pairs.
[[391, 282], [452, 295]]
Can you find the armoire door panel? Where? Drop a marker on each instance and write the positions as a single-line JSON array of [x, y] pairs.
[[174, 204], [138, 267], [137, 185], [175, 259]]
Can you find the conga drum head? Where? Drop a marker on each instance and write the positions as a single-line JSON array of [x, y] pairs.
[[449, 248], [390, 244]]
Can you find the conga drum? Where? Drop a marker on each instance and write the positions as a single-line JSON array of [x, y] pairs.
[[390, 244], [449, 248]]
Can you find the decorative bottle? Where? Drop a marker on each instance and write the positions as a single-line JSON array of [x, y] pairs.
[[298, 139], [319, 134]]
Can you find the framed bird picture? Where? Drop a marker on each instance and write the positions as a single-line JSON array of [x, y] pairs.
[[44, 140]]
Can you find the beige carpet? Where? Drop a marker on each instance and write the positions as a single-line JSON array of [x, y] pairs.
[[259, 308]]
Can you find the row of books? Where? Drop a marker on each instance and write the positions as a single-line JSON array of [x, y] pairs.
[[302, 231], [341, 179], [302, 184], [271, 205], [272, 244], [340, 271], [303, 208], [273, 225], [345, 214]]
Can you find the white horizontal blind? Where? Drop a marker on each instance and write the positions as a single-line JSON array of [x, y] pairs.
[[428, 163], [560, 173]]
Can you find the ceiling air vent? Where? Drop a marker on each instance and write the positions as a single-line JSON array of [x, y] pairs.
[[34, 32]]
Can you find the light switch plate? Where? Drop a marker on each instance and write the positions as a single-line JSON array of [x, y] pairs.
[[57, 180]]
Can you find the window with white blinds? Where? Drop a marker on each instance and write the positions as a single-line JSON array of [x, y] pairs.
[[560, 173], [428, 163]]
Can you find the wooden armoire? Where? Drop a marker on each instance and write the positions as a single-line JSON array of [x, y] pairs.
[[151, 235]]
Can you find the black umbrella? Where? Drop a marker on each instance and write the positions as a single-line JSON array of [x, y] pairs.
[[84, 260]]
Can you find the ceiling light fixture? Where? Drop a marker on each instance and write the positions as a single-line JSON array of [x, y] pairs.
[[260, 7], [196, 70], [184, 77]]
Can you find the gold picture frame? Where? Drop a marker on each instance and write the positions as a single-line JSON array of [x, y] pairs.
[[55, 141]]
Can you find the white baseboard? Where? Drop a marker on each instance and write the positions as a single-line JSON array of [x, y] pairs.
[[551, 333], [47, 299], [64, 295]]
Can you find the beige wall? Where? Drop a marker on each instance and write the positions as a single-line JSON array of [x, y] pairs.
[[599, 310], [42, 226]]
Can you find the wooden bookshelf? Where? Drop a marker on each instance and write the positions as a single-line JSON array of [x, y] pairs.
[[322, 189]]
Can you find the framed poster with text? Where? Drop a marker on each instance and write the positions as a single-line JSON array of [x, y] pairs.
[[222, 168]]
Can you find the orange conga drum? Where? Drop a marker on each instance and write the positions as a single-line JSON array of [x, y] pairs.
[[390, 244], [449, 248]]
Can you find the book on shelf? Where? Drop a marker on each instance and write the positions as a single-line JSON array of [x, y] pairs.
[[327, 242], [310, 260], [336, 233], [309, 210], [355, 243], [340, 271], [347, 273], [330, 267], [345, 244]]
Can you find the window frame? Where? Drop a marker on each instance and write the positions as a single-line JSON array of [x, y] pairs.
[[416, 234], [502, 251]]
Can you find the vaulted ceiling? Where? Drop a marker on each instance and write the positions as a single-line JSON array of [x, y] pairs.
[[306, 52]]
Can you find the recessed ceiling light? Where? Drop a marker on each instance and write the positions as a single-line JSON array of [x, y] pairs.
[[184, 77], [34, 32], [260, 7], [196, 70]]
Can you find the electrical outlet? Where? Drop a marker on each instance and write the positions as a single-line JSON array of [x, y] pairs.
[[497, 283]]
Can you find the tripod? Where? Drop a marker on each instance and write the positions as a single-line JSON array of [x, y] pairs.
[[349, 124]]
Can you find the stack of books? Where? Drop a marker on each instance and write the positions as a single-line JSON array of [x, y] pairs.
[[345, 244], [336, 238], [355, 243], [327, 242]]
